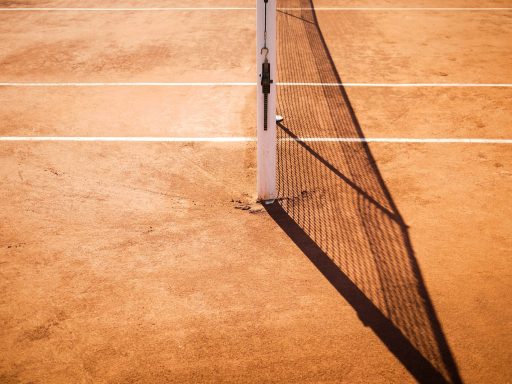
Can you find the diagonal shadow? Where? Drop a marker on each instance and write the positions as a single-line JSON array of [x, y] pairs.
[[333, 203]]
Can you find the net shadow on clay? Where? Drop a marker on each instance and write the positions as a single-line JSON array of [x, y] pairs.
[[333, 203]]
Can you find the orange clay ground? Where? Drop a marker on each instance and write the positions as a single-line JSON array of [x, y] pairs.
[[152, 262]]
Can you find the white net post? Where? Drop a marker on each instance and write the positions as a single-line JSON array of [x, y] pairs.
[[267, 141]]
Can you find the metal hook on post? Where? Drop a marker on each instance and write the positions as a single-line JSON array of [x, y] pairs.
[[266, 53]]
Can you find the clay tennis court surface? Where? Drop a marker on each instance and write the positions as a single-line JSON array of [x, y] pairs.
[[151, 261]]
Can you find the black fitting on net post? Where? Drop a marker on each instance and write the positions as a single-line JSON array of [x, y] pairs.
[[265, 78], [265, 87]]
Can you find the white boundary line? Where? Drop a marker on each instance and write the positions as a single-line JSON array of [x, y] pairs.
[[146, 139], [399, 140], [123, 84], [134, 139], [139, 9], [336, 9], [236, 84], [456, 9], [395, 84]]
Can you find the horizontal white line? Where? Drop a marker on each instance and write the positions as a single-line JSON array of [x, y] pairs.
[[162, 9], [124, 84], [140, 9], [140, 139], [342, 9], [396, 84], [399, 140], [231, 84], [146, 139]]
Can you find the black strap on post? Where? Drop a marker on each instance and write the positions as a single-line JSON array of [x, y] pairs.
[[265, 74]]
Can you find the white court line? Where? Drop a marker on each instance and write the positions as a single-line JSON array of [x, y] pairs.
[[231, 84], [146, 139], [148, 9], [134, 139], [395, 84], [398, 140], [162, 9], [124, 84], [456, 9]]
